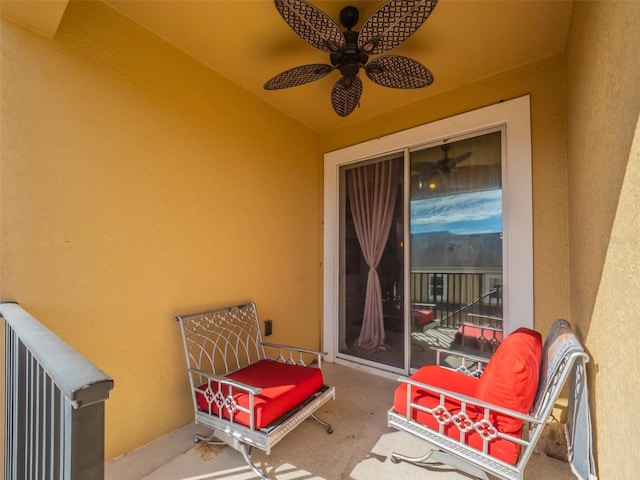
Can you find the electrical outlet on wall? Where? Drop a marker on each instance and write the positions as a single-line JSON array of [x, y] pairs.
[[268, 328]]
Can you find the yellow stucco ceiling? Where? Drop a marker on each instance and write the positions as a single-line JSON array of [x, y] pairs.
[[248, 42]]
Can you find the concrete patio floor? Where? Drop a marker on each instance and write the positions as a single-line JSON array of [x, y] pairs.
[[359, 448]]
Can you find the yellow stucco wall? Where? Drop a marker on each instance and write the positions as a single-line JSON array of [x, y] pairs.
[[544, 81], [603, 104], [137, 185]]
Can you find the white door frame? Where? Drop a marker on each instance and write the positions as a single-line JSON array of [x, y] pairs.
[[514, 117]]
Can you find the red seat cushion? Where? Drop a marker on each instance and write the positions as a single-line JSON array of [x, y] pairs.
[[436, 377], [284, 387], [422, 317]]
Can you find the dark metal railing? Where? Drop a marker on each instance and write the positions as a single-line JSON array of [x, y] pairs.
[[454, 294], [54, 405]]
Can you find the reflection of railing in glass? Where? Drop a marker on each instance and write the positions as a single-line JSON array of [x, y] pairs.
[[461, 293]]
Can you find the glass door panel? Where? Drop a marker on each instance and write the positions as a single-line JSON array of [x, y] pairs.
[[455, 228], [371, 324]]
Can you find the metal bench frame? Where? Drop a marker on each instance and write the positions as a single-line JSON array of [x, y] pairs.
[[221, 341], [559, 358]]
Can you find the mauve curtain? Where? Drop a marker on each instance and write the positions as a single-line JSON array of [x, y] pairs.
[[372, 194]]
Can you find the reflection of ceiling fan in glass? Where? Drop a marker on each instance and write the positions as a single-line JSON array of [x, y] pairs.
[[349, 51], [447, 164], [443, 166], [438, 176]]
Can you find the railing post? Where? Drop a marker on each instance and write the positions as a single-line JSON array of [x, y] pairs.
[[54, 405]]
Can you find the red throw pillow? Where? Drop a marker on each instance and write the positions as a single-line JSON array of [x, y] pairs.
[[510, 379]]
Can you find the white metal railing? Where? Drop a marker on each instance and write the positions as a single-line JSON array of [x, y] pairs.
[[54, 405]]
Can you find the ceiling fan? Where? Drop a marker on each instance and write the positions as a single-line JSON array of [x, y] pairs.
[[349, 51], [445, 165]]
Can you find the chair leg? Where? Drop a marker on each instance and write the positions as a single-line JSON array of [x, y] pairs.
[[397, 457], [242, 448], [247, 458], [238, 446], [438, 456], [210, 439], [323, 423]]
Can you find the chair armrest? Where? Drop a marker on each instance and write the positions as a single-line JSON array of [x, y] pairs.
[[219, 379], [464, 357], [287, 354], [463, 400], [486, 321], [418, 306], [223, 400]]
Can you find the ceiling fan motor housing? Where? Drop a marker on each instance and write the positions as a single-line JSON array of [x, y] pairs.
[[350, 59]]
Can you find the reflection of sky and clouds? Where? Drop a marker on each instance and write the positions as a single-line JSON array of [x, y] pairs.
[[461, 214]]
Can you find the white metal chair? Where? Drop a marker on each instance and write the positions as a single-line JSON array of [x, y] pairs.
[[455, 417], [247, 398]]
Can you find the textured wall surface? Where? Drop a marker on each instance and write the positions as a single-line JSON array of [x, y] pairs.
[[603, 103], [137, 185]]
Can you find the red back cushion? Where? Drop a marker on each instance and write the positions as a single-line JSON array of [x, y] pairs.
[[510, 379]]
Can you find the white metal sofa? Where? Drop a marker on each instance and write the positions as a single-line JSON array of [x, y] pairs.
[[247, 398], [470, 425]]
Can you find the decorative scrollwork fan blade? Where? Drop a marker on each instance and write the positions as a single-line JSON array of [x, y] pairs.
[[393, 23], [312, 24], [345, 95], [398, 72], [298, 76]]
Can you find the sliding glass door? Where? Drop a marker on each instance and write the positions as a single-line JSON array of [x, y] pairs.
[[428, 240], [455, 256], [371, 323]]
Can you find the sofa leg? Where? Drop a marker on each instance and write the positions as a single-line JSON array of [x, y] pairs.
[[323, 423]]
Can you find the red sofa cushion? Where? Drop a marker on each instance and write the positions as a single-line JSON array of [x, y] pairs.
[[284, 387]]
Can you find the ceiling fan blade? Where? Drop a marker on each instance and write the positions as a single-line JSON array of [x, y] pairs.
[[345, 95], [312, 24], [398, 72], [424, 168], [460, 158], [298, 76], [392, 24]]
